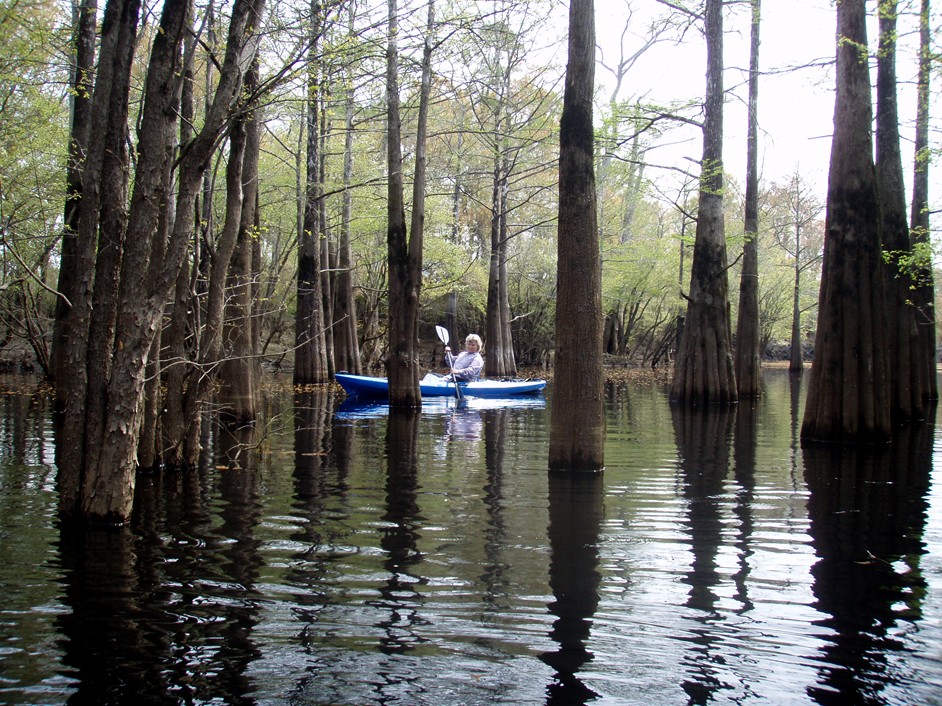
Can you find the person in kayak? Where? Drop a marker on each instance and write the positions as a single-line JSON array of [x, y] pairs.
[[468, 364]]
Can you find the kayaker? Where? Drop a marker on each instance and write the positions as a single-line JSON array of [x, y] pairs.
[[468, 364]]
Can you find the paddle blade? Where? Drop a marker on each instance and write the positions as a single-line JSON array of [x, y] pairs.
[[442, 334]]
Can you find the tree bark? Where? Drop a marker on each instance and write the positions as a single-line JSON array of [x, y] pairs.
[[906, 375], [577, 429], [924, 294], [703, 373], [105, 474], [238, 371], [796, 358], [847, 396], [118, 41], [499, 360], [404, 253], [178, 337], [310, 363], [328, 254], [346, 344], [81, 98], [747, 361]]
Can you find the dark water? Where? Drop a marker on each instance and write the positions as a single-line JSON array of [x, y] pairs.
[[343, 556]]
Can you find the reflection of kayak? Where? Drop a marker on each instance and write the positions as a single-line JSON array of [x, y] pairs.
[[438, 386], [372, 407]]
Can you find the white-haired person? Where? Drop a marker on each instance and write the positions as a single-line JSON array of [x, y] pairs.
[[468, 364]]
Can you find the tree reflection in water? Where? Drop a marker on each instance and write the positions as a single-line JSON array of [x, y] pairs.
[[105, 643], [164, 611], [399, 537], [703, 442], [496, 566], [868, 513], [575, 518], [375, 559]]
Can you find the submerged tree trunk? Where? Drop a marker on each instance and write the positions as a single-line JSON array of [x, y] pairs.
[[747, 359], [577, 431], [328, 255], [847, 396], [924, 294], [99, 477], [238, 372], [907, 379], [499, 360], [310, 361], [796, 358], [703, 373], [84, 28], [346, 344], [404, 252], [107, 125]]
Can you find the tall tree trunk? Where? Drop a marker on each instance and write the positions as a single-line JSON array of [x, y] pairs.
[[451, 303], [107, 125], [495, 364], [310, 362], [210, 346], [577, 430], [704, 372], [747, 359], [148, 450], [239, 369], [178, 349], [499, 360], [796, 358], [104, 477], [847, 396], [328, 254], [82, 85], [924, 295], [906, 374], [404, 253], [346, 344]]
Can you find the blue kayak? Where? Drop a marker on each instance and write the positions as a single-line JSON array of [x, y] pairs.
[[433, 385], [356, 407]]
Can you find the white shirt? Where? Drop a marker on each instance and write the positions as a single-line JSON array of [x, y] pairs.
[[467, 365]]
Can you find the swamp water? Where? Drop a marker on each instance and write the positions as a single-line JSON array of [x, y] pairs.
[[342, 555]]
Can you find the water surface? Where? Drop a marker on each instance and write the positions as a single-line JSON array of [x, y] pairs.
[[341, 555]]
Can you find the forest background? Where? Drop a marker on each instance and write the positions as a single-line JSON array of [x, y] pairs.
[[493, 121]]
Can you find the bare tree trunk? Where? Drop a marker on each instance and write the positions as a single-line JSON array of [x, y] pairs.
[[704, 372], [499, 359], [107, 124], [906, 374], [747, 361], [495, 364], [796, 359], [847, 397], [238, 372], [924, 295], [577, 431], [451, 303], [211, 336], [84, 29], [346, 344], [178, 350], [328, 254], [310, 363], [104, 475], [148, 452], [405, 253]]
